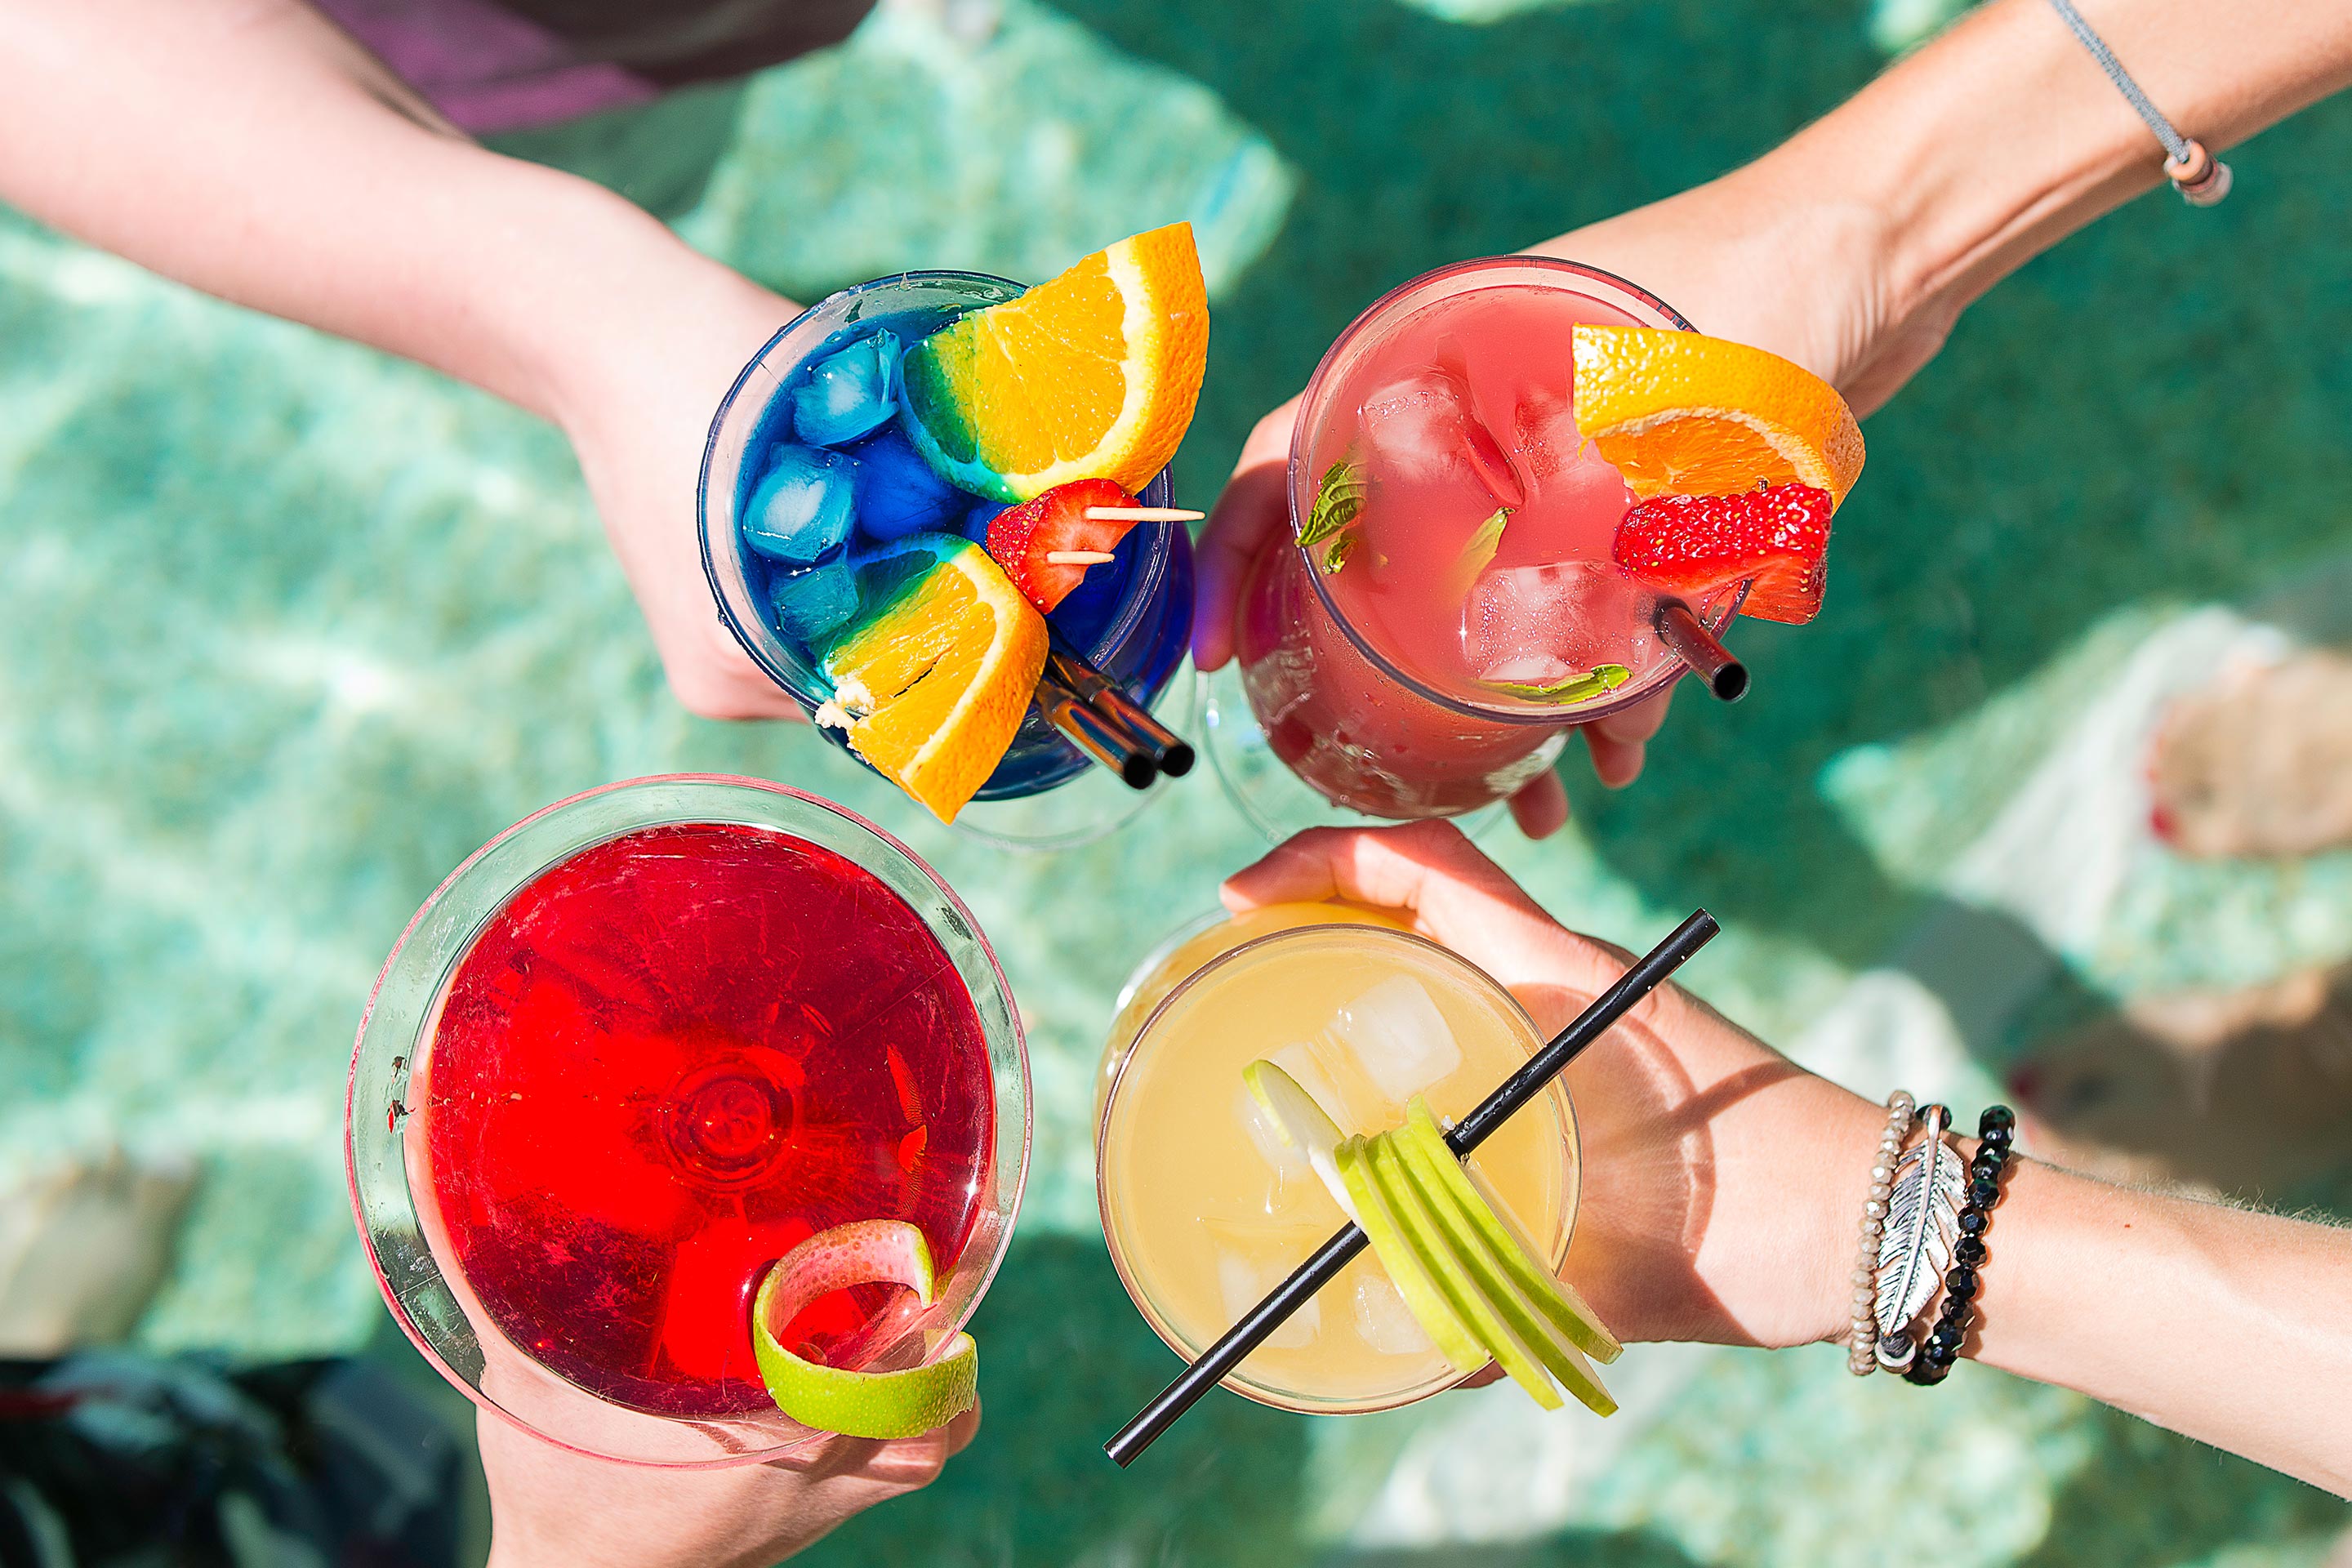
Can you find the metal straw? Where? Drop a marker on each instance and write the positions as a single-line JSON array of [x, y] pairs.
[[1697, 647], [1086, 728], [1468, 1134], [1170, 752]]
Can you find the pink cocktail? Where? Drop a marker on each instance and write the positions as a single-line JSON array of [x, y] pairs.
[[632, 1052], [1425, 655]]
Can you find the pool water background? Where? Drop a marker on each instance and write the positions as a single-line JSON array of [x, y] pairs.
[[288, 630]]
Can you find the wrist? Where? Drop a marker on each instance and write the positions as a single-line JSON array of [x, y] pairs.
[[604, 298], [1979, 152]]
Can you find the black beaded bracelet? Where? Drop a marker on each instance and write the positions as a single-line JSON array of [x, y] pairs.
[[1996, 1131]]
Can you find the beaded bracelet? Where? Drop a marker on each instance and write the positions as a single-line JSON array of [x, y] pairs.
[[1996, 1131], [1861, 1358]]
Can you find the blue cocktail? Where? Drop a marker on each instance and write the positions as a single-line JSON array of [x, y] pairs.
[[810, 471]]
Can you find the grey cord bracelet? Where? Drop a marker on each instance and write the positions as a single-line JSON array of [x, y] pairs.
[[2200, 177]]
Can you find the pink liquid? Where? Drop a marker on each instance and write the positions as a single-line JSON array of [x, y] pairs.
[[1461, 409], [667, 1061]]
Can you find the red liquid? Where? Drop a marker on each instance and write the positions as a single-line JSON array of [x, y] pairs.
[[667, 1061]]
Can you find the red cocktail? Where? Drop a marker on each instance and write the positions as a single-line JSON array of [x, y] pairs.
[[1425, 658], [635, 1051]]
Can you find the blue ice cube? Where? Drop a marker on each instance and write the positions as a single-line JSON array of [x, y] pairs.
[[802, 509], [897, 493], [976, 522], [811, 606], [848, 391]]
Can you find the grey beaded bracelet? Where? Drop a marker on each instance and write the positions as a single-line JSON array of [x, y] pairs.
[[1862, 1359]]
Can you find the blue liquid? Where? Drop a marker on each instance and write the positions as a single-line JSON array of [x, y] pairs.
[[1143, 657]]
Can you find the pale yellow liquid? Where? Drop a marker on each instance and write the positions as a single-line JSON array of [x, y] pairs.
[[1203, 1216]]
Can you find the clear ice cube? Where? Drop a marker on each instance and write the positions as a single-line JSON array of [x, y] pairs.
[[1246, 1278], [1423, 427], [801, 510], [811, 606], [1306, 1065], [1398, 1038], [850, 391], [1382, 1319], [1538, 624]]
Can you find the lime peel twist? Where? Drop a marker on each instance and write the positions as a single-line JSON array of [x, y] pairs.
[[900, 1403]]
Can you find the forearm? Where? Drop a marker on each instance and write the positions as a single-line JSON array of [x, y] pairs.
[[247, 148], [2004, 136], [2227, 1326]]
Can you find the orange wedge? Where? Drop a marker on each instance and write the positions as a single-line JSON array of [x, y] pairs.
[[932, 679], [1682, 413], [1091, 375]]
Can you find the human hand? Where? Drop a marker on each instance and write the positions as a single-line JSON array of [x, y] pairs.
[[1720, 1181], [1256, 508], [553, 1506], [636, 398]]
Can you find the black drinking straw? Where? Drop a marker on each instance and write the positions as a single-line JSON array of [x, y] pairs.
[[1468, 1134]]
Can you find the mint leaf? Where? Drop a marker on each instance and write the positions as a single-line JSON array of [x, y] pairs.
[[1597, 681], [1338, 500], [1336, 556]]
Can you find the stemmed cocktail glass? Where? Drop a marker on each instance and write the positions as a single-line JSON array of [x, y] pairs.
[[638, 1047]]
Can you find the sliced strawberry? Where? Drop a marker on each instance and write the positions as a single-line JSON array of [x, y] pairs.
[[1777, 536], [1021, 537]]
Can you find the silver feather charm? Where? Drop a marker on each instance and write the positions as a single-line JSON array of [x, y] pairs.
[[1923, 1221]]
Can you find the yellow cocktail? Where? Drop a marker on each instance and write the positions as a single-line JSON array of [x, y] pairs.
[[1204, 1207]]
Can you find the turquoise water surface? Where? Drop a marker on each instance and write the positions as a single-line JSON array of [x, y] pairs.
[[288, 629]]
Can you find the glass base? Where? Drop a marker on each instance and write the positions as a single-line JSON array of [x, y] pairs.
[[1093, 806], [1276, 801]]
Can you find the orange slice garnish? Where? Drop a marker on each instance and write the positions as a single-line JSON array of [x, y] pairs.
[[932, 679], [1684, 414], [1091, 375]]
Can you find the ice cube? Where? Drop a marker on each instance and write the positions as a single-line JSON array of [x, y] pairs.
[[1540, 624], [897, 494], [811, 606], [800, 512], [1306, 1067], [848, 393], [1287, 1164], [1544, 432], [1423, 427], [1383, 1319], [1246, 1277], [1397, 1038]]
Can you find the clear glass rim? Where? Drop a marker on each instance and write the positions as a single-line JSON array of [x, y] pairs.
[[1668, 669], [1011, 1175], [1301, 1404], [760, 641]]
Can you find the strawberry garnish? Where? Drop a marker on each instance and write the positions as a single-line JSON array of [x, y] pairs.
[[1777, 536], [1021, 537]]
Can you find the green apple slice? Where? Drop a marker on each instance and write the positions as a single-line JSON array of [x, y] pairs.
[[1472, 1249], [1302, 1124], [1445, 1328], [1554, 1297], [1424, 1235]]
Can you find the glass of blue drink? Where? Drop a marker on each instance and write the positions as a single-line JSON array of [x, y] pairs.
[[808, 469]]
